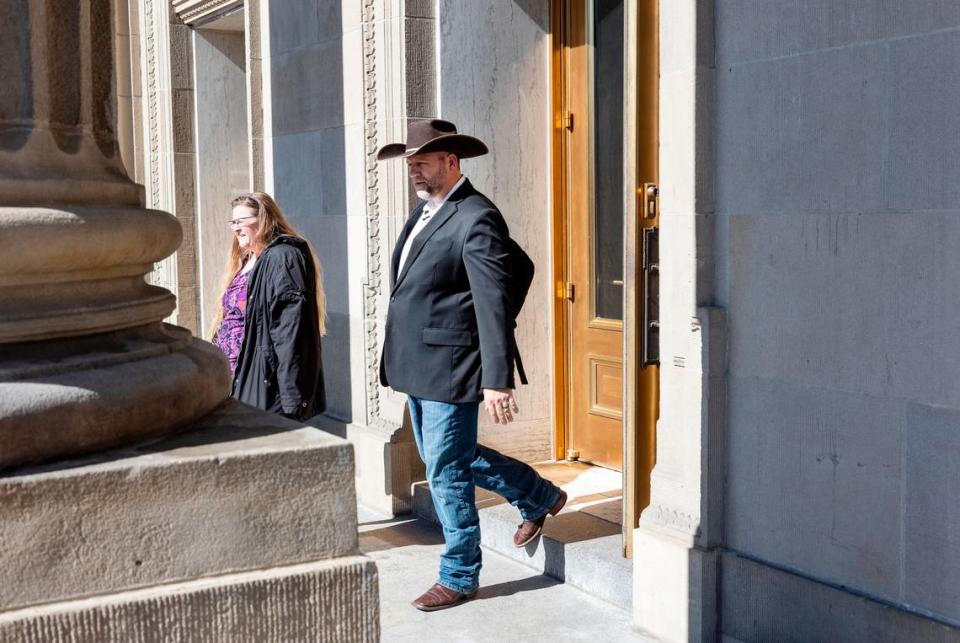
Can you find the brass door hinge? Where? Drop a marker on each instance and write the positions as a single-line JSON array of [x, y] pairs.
[[569, 291], [573, 455]]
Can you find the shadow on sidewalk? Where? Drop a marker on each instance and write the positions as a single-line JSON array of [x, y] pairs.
[[510, 588], [407, 533]]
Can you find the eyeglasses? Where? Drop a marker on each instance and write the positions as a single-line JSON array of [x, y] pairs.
[[233, 223]]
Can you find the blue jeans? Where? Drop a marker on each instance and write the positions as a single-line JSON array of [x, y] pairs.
[[446, 436]]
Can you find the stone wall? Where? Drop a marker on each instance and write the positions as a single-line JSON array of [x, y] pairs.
[[305, 133], [222, 155], [838, 204], [495, 84]]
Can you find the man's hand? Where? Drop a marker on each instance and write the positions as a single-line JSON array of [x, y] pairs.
[[500, 404]]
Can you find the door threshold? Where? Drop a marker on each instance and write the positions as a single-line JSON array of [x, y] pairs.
[[591, 489]]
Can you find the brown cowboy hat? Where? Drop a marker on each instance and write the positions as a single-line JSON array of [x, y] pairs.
[[433, 135]]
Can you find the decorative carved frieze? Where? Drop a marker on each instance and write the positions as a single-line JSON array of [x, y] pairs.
[[198, 11]]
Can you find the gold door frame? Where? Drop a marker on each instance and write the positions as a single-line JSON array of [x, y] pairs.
[[559, 35], [641, 165]]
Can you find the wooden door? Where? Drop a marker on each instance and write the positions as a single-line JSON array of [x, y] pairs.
[[594, 211]]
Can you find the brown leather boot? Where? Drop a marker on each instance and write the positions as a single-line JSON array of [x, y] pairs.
[[439, 597], [530, 529]]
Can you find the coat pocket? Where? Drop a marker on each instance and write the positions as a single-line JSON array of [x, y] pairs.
[[446, 337]]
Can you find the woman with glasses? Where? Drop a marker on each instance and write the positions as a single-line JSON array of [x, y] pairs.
[[272, 312]]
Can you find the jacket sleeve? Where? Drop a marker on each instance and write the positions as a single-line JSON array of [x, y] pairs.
[[487, 261], [292, 329]]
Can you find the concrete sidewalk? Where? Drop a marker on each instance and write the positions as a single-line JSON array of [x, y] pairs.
[[513, 604]]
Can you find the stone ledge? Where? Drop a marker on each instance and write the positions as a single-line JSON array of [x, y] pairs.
[[334, 600], [243, 490]]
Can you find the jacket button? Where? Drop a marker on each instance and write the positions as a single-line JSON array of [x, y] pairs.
[[303, 404], [266, 381], [393, 299]]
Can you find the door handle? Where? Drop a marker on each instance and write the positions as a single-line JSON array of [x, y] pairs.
[[650, 347]]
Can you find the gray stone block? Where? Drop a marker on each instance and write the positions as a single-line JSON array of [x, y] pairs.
[[924, 151], [751, 30], [932, 521], [761, 603], [310, 80], [336, 366], [858, 303], [814, 482], [243, 490], [803, 135], [309, 171], [299, 24], [420, 9], [334, 600], [420, 47], [181, 57]]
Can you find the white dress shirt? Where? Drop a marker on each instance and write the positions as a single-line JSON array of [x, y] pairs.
[[428, 211]]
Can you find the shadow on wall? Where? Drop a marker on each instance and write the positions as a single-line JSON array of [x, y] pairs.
[[538, 11], [16, 101], [309, 164]]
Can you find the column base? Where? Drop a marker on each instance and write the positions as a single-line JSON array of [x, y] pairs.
[[674, 587], [62, 398], [387, 466], [243, 528]]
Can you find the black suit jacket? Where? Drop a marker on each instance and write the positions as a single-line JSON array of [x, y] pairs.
[[448, 333]]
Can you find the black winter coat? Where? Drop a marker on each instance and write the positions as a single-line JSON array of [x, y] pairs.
[[279, 368]]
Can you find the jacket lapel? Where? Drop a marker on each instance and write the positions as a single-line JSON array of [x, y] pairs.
[[444, 213], [402, 239]]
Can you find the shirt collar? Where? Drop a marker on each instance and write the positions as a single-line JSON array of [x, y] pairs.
[[430, 209]]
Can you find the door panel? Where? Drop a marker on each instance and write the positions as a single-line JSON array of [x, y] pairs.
[[594, 184]]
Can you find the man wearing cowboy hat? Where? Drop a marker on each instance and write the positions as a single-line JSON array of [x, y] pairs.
[[448, 346]]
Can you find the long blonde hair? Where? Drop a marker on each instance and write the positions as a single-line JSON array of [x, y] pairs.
[[271, 223]]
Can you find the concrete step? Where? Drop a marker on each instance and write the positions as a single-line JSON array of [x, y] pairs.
[[578, 545]]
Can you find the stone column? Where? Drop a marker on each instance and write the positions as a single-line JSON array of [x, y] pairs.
[[241, 528], [85, 362]]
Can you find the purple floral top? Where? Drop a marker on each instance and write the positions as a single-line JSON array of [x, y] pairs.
[[229, 336]]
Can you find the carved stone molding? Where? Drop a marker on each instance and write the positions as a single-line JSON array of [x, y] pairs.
[[152, 96], [375, 277], [670, 519]]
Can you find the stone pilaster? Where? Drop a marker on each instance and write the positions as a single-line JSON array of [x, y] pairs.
[[85, 362], [676, 544], [399, 84]]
